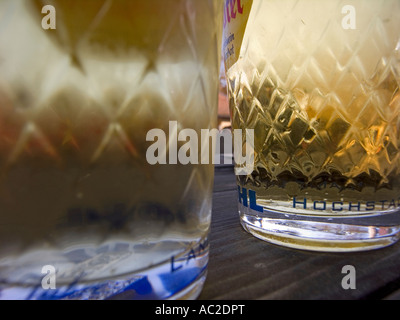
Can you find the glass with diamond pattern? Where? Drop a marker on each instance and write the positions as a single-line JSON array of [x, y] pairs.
[[318, 82], [83, 215]]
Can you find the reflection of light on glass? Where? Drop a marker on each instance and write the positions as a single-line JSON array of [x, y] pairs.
[[223, 102], [383, 231], [396, 66], [371, 232]]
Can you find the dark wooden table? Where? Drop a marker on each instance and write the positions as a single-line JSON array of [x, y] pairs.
[[242, 267]]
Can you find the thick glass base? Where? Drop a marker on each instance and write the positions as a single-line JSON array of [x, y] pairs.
[[323, 233], [179, 278]]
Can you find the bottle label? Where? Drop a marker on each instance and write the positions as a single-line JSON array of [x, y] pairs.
[[236, 15]]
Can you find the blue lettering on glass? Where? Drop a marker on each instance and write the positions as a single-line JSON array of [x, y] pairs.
[[252, 198], [177, 262], [320, 205], [337, 206], [243, 196], [304, 203]]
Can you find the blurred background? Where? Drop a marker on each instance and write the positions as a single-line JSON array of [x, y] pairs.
[[223, 102]]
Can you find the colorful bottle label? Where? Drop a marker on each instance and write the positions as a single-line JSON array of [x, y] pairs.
[[236, 15]]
